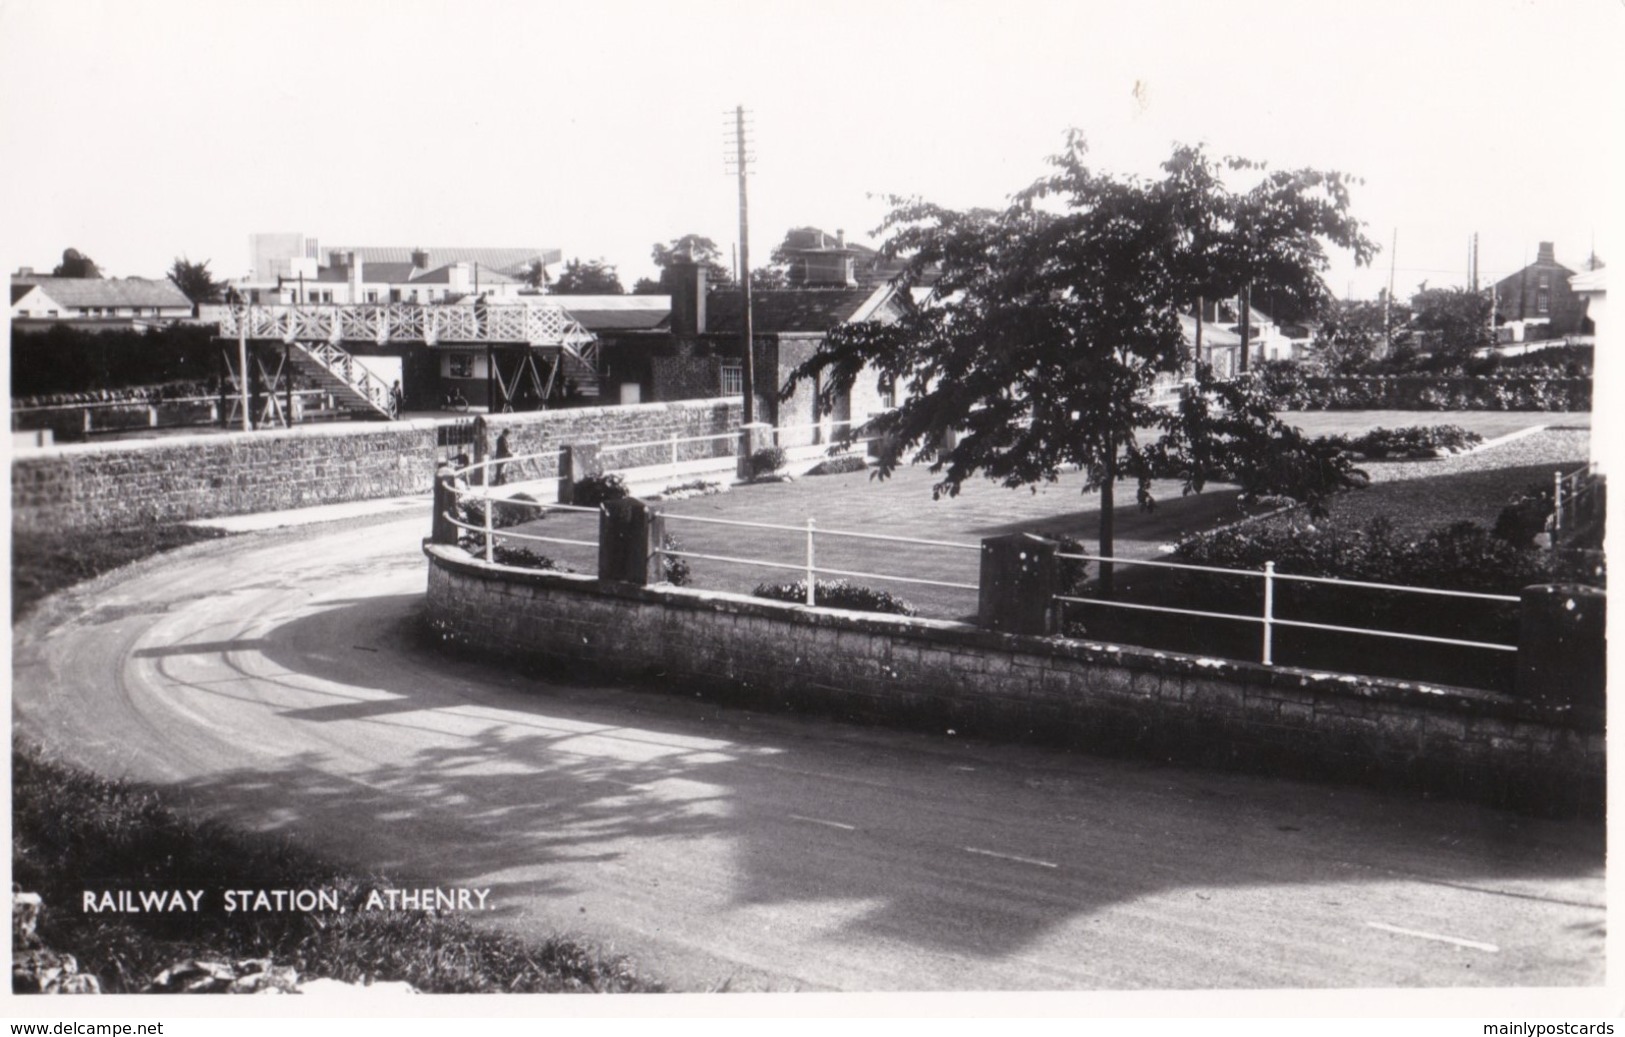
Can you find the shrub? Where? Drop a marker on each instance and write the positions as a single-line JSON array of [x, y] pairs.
[[1414, 441], [839, 465], [675, 571], [1461, 556], [766, 461], [525, 558], [837, 594], [600, 489], [505, 512], [693, 488], [1524, 516]]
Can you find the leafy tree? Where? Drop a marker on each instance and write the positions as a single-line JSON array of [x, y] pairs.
[[195, 281], [1354, 333], [535, 275], [75, 264], [591, 277], [1451, 321], [1050, 319], [691, 248], [769, 278]]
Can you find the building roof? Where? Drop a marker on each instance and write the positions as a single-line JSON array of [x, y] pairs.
[[111, 292], [20, 290], [1590, 281], [509, 260], [787, 310], [1212, 334], [442, 275], [616, 312]]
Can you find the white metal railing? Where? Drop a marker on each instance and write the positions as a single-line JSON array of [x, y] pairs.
[[673, 443], [808, 564], [1268, 620], [463, 492], [1569, 493]]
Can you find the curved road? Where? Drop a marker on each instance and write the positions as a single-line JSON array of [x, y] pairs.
[[278, 680]]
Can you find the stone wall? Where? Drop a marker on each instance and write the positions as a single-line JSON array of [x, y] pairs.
[[137, 482], [936, 676]]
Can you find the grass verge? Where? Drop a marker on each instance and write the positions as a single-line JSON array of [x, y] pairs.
[[43, 563], [73, 831]]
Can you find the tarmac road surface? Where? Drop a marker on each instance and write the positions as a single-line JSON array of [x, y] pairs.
[[280, 680]]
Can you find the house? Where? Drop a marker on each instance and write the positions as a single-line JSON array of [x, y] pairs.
[[1591, 288], [350, 279], [96, 303], [1541, 292], [291, 267], [815, 259], [688, 345]]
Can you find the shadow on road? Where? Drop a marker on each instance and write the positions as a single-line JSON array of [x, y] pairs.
[[456, 772]]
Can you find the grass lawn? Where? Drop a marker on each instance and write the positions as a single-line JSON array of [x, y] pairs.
[[901, 506], [1415, 495]]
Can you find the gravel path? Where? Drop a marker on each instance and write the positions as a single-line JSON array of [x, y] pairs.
[[1418, 496]]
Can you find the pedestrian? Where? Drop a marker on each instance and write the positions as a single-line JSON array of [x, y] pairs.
[[397, 399], [500, 454]]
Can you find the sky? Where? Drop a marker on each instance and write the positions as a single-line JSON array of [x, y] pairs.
[[138, 132]]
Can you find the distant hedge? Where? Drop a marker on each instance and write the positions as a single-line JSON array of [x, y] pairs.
[[1292, 391], [64, 359]]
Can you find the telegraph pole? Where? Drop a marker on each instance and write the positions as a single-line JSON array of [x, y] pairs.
[[741, 161]]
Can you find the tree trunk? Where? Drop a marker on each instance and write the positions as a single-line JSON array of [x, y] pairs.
[[1107, 532]]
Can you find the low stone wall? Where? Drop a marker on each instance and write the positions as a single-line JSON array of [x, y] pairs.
[[136, 482], [544, 432], [936, 676]]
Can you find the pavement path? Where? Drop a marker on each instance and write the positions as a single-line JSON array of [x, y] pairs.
[[279, 681]]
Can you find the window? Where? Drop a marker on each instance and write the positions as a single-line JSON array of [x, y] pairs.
[[372, 296], [733, 380], [887, 389], [460, 365]]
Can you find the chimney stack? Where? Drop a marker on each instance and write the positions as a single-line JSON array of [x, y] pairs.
[[1545, 255], [687, 283], [420, 259]]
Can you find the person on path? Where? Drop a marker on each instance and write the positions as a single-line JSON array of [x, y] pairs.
[[501, 452]]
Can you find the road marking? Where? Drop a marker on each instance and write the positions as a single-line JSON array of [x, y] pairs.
[[1011, 857], [1476, 945], [827, 824]]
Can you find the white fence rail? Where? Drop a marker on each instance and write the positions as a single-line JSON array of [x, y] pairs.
[[1268, 620]]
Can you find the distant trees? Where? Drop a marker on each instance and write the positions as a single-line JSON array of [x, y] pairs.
[[589, 277], [1451, 322], [692, 248], [1354, 333], [535, 275], [195, 281], [75, 264]]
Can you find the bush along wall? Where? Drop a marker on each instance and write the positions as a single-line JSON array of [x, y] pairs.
[[1293, 391]]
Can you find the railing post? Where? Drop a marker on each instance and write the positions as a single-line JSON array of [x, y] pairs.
[[1018, 583], [1557, 505], [630, 542], [812, 578], [490, 527], [1269, 613]]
